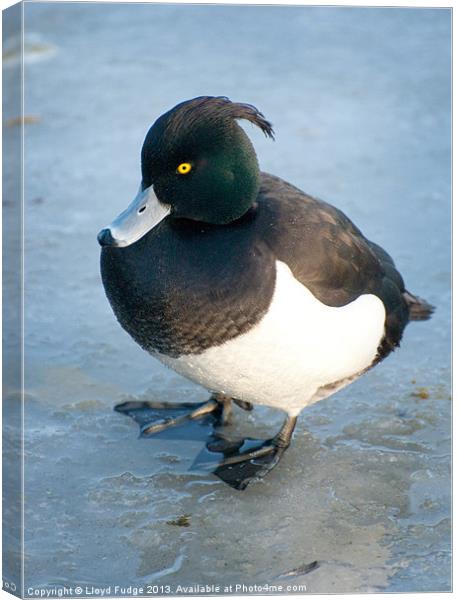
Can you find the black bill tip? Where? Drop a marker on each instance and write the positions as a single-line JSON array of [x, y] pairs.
[[105, 238]]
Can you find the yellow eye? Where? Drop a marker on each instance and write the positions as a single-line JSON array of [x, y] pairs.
[[184, 168]]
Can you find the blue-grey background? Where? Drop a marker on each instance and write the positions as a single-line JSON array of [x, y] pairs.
[[360, 101]]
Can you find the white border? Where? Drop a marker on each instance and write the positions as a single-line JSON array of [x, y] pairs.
[[336, 3]]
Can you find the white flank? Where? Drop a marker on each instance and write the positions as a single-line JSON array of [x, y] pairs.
[[299, 346]]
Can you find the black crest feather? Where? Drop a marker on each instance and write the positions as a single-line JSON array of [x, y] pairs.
[[213, 109]]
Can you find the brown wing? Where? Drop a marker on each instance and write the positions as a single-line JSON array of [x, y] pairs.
[[329, 255]]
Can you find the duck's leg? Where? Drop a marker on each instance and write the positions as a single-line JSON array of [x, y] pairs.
[[243, 464], [154, 417], [223, 411]]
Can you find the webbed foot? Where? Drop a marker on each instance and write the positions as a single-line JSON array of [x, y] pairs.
[[154, 417], [239, 470], [243, 461], [248, 460]]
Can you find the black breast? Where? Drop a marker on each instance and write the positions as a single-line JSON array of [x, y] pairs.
[[185, 287]]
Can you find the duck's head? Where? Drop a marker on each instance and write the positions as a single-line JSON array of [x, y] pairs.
[[198, 164]]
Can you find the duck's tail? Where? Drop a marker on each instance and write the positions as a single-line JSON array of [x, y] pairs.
[[419, 309]]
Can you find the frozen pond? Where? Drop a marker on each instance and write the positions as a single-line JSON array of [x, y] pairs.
[[359, 99]]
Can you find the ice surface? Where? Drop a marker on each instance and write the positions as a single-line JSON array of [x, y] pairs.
[[360, 102]]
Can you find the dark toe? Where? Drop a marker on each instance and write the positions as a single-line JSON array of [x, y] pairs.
[[240, 475]]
